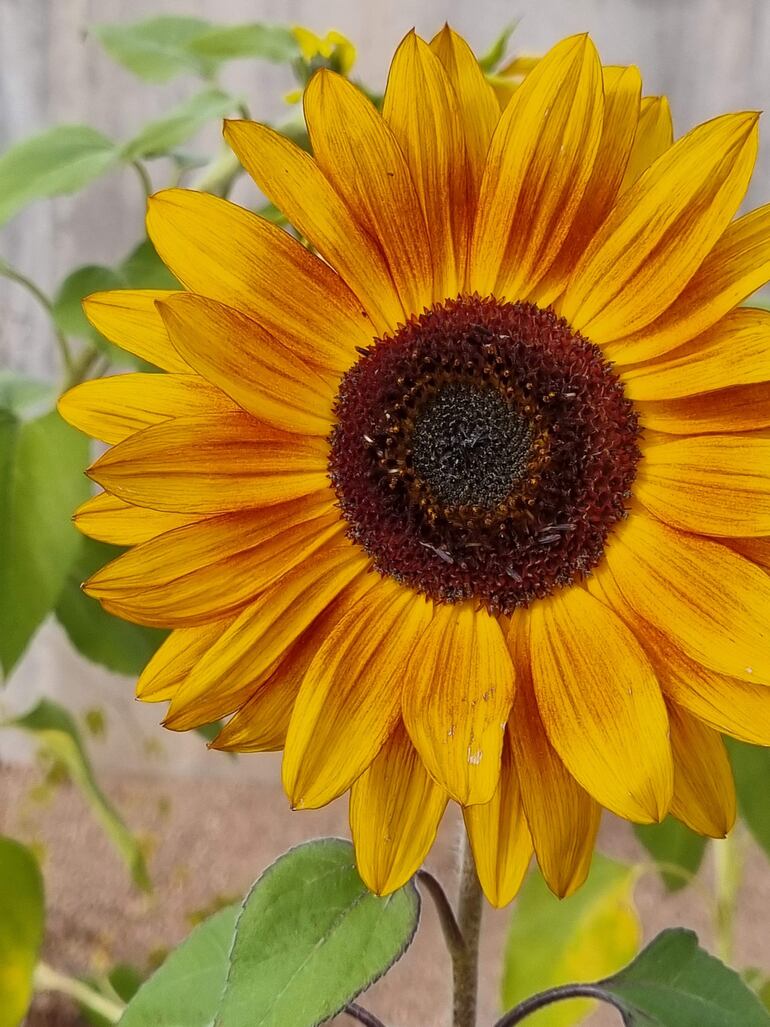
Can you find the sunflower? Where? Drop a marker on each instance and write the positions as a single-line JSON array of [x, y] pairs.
[[469, 498]]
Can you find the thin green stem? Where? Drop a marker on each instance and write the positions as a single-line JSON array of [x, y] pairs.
[[48, 979], [14, 275], [144, 177], [547, 998], [728, 874], [449, 926], [466, 965], [356, 1012], [81, 367]]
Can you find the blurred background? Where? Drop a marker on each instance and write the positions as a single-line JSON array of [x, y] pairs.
[[208, 823]]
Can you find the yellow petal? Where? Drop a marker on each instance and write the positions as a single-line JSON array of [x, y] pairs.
[[755, 549], [729, 706], [292, 180], [661, 229], [500, 841], [395, 810], [209, 466], [538, 166], [601, 705], [128, 318], [262, 723], [173, 661], [361, 158], [458, 691], [421, 110], [741, 408], [734, 352], [709, 484], [736, 267], [563, 818], [704, 791], [108, 519], [478, 107], [249, 364], [223, 251], [622, 91], [654, 135], [111, 409], [350, 699], [251, 649], [708, 600], [214, 567]]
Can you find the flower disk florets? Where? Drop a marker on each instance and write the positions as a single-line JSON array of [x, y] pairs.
[[485, 450]]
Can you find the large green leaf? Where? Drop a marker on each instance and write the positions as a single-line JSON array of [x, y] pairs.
[[553, 941], [267, 42], [41, 482], [62, 160], [310, 937], [185, 990], [161, 136], [674, 847], [56, 730], [21, 928], [675, 983], [99, 636], [751, 767], [156, 49]]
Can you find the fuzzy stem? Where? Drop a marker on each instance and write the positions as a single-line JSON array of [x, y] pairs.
[[546, 998], [466, 962]]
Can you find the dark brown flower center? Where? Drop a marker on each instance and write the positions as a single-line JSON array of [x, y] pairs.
[[485, 450]]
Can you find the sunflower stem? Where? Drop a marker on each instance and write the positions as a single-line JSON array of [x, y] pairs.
[[356, 1012], [48, 979], [449, 928], [466, 961], [546, 998], [728, 872]]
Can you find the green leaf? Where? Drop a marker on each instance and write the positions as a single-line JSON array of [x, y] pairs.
[[553, 941], [675, 983], [61, 160], [157, 49], [21, 928], [310, 937], [68, 301], [102, 638], [495, 54], [672, 845], [267, 42], [41, 482], [185, 990], [24, 398], [54, 727], [125, 980], [161, 136], [143, 269], [751, 768]]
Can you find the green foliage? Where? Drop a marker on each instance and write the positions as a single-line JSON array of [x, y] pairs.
[[490, 61], [751, 767], [114, 643], [553, 941], [185, 990], [124, 980], [161, 136], [162, 48], [143, 269], [672, 845], [675, 983], [56, 730], [41, 482], [22, 914], [310, 937], [67, 310], [61, 160]]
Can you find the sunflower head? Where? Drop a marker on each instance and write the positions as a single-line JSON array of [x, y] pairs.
[[469, 499]]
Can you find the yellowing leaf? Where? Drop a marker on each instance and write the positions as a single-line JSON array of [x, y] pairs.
[[21, 928], [585, 937]]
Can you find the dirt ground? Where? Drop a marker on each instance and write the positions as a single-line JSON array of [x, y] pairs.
[[209, 838]]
